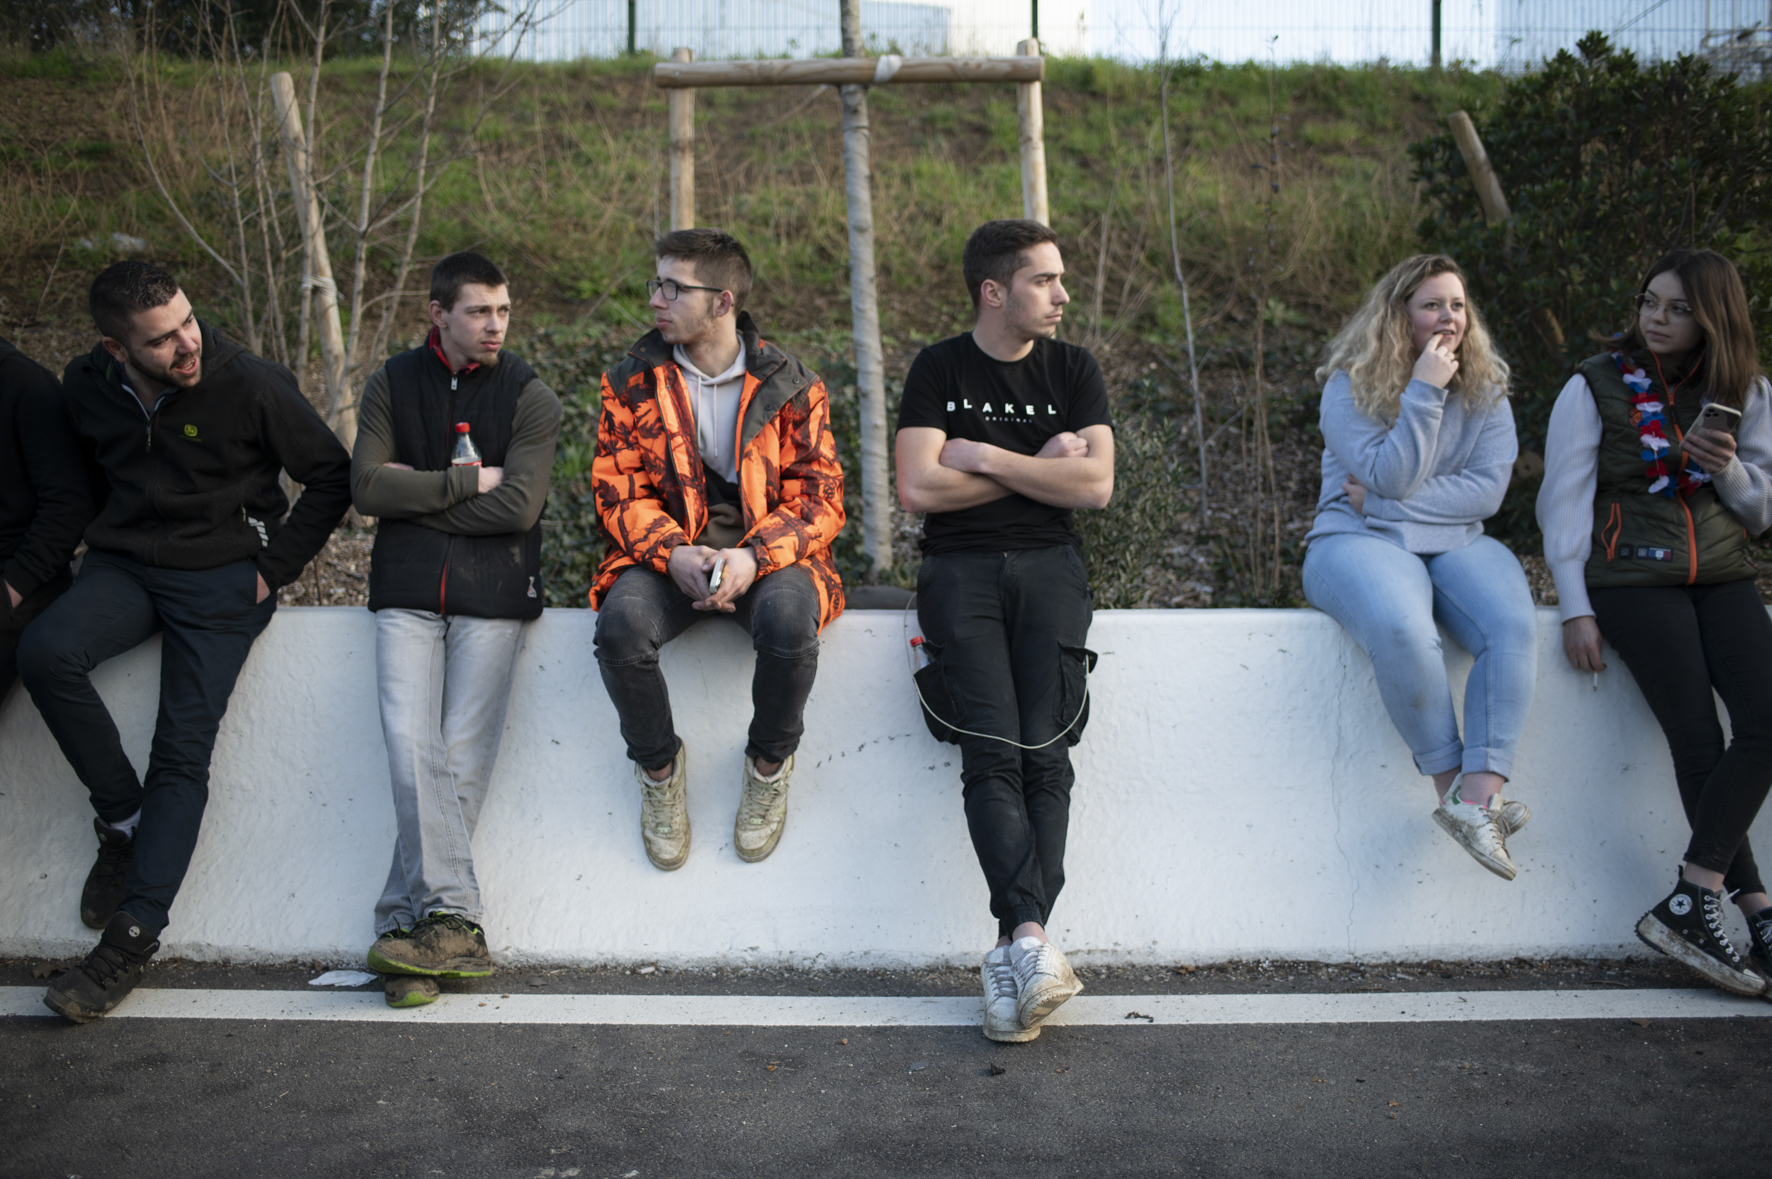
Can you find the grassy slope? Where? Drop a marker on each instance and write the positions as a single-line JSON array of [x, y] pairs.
[[566, 184]]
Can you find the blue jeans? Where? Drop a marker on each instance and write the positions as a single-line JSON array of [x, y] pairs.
[[444, 682], [1389, 600]]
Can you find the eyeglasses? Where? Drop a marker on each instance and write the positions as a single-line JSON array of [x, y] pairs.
[[672, 288], [1677, 312]]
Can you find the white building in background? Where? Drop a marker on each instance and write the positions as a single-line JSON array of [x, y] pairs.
[[1486, 34], [725, 29]]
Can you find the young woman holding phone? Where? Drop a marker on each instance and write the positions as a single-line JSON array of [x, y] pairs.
[[1419, 449], [1647, 505]]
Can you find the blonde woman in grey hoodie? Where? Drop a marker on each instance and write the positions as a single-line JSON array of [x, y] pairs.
[[1419, 448]]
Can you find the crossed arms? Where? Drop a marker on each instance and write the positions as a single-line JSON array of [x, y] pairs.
[[941, 474]]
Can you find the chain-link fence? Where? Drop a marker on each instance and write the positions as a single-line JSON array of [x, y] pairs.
[[1489, 34]]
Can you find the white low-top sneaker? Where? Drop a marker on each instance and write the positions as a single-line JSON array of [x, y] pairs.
[[1475, 829], [664, 814], [1000, 993], [1043, 980]]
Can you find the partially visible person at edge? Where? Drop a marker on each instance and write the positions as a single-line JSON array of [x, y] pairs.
[[1419, 448], [454, 581], [45, 498], [192, 433], [719, 493], [1646, 518], [1004, 431]]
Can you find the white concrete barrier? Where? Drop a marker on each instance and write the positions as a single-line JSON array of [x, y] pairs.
[[1240, 793]]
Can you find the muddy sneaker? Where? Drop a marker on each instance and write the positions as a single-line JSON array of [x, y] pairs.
[[1759, 950], [443, 945], [104, 884], [1000, 1020], [1475, 829], [1687, 926], [664, 814], [108, 974], [1043, 980], [762, 811], [1510, 815], [411, 990]]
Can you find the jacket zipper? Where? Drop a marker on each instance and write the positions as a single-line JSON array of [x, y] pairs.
[[1691, 530], [449, 546]]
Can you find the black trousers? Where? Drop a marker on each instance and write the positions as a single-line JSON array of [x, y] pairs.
[[1679, 643], [14, 621], [646, 610], [1007, 631], [208, 621]]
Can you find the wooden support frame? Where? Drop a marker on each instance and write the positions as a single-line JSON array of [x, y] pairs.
[[853, 74]]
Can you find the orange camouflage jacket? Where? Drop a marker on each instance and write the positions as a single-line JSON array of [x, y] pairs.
[[647, 476]]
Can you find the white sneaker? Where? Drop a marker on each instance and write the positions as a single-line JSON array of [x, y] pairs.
[[762, 811], [664, 814], [1475, 829], [1000, 1020], [1043, 979]]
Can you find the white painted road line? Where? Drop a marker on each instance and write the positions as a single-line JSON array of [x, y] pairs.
[[891, 1011]]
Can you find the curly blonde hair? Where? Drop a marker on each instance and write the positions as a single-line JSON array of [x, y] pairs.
[[1376, 348]]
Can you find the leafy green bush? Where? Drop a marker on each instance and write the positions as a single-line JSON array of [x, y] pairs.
[[1606, 164], [1125, 541]]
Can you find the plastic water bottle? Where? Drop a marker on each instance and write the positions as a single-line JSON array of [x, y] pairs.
[[918, 653], [466, 453]]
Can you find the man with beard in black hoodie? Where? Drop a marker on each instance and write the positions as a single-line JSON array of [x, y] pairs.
[[45, 499], [191, 431]]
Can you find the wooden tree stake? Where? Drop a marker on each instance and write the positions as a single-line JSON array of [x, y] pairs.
[[682, 113], [1033, 141], [1495, 207]]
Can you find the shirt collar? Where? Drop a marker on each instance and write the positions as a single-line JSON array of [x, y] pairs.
[[435, 343]]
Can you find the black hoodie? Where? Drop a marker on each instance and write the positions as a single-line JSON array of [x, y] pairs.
[[45, 500], [194, 485]]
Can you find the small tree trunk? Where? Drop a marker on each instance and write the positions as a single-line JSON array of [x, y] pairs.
[[870, 366], [317, 273]]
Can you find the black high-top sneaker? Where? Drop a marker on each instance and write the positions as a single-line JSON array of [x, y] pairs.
[[104, 884], [1687, 926], [108, 974], [1759, 950]]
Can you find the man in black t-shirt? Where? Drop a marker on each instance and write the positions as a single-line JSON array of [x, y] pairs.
[[1002, 432]]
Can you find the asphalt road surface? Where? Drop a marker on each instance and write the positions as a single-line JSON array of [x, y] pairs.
[[208, 1096]]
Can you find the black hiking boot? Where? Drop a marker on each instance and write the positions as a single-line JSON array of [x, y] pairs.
[[109, 973], [104, 884], [1687, 926], [443, 945]]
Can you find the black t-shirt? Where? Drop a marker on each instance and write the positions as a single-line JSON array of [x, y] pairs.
[[1017, 405]]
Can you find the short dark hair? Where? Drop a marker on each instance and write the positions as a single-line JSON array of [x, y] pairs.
[[123, 288], [718, 258], [451, 274], [997, 249]]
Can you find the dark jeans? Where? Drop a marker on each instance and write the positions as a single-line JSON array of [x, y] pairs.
[[12, 626], [1679, 643], [1006, 631], [646, 610], [208, 620]]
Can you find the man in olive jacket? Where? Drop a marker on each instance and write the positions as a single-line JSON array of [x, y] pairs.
[[454, 581], [191, 432]]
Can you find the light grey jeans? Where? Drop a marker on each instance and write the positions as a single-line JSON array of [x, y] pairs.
[[444, 683]]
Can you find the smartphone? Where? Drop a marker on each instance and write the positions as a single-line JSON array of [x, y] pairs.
[[720, 568], [1720, 417]]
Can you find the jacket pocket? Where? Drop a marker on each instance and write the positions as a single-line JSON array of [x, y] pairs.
[[1075, 666], [935, 699], [1609, 534]]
